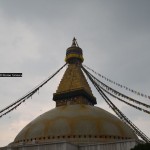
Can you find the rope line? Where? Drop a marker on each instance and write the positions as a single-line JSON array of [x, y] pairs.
[[116, 110], [119, 85], [15, 104], [136, 107], [108, 88]]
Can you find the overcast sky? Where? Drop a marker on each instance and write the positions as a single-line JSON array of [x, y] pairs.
[[34, 35]]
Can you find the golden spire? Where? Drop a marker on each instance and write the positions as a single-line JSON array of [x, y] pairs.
[[74, 88]]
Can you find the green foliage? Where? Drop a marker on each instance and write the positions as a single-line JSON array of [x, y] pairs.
[[142, 147]]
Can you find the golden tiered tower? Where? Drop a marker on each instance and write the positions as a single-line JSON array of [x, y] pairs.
[[73, 88]]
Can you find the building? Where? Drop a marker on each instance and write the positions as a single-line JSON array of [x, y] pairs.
[[75, 123]]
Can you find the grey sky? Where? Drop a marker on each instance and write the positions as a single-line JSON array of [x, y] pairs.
[[34, 35]]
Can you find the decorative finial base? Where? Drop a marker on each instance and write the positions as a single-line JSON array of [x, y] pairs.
[[74, 53]]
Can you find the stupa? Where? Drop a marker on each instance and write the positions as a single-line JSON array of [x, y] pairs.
[[75, 119]]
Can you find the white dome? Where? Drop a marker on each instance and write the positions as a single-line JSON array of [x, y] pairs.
[[77, 124]]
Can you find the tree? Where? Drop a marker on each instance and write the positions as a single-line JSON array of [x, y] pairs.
[[142, 147]]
